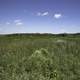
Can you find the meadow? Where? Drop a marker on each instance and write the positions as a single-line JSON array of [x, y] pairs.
[[39, 57]]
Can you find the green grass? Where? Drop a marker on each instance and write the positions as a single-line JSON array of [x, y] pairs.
[[39, 57]]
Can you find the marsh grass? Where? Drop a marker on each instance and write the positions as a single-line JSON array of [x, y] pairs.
[[39, 58]]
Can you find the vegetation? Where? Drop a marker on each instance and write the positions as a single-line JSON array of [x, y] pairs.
[[40, 57]]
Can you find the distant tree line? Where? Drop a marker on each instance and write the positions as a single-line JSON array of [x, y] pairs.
[[44, 34]]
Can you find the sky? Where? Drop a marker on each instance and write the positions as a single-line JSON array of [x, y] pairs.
[[39, 16]]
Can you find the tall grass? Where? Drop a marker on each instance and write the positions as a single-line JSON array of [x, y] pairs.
[[39, 58]]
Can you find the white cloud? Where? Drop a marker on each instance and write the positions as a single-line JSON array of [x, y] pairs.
[[42, 14], [38, 14], [17, 20], [19, 23], [45, 13], [57, 15], [7, 23]]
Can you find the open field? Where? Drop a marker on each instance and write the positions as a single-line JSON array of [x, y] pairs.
[[39, 57]]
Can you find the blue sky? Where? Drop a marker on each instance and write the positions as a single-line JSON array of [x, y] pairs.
[[39, 16]]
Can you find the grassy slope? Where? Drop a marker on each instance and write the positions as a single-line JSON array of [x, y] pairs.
[[39, 57]]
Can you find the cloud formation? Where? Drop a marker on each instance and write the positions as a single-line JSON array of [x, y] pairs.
[[7, 23], [57, 15], [45, 13], [42, 14], [18, 22]]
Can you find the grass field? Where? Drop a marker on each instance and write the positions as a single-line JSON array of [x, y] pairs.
[[39, 57]]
